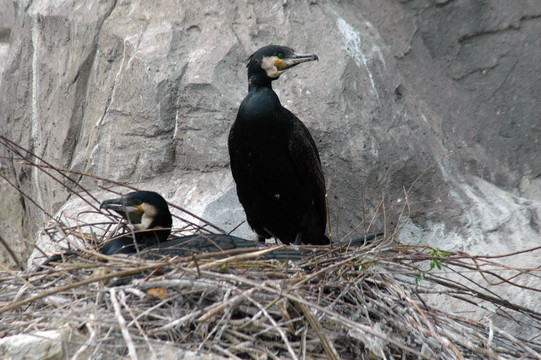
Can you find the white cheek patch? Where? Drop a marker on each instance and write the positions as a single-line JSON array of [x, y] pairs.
[[145, 223], [267, 64], [149, 212]]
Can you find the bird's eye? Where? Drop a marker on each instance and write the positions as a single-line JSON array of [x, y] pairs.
[[280, 55], [139, 201]]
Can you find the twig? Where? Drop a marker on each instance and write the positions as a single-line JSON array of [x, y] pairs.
[[11, 253], [137, 324], [87, 343], [521, 343], [316, 326], [30, 300], [122, 323], [275, 326]]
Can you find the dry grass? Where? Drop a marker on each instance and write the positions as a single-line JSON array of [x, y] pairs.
[[353, 303]]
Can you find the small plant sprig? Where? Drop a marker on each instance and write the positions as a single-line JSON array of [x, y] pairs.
[[438, 256]]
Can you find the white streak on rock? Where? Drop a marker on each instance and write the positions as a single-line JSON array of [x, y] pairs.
[[352, 44], [120, 69]]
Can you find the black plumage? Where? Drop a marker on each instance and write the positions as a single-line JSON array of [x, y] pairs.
[[274, 160], [148, 214], [215, 243], [190, 245]]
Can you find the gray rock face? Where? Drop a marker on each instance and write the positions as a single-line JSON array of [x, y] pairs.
[[7, 17], [38, 345], [436, 99]]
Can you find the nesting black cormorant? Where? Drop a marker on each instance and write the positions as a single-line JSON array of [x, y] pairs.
[[149, 215], [274, 160]]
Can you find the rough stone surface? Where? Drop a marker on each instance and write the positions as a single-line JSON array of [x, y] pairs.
[[7, 17], [14, 226], [39, 345], [436, 98], [65, 343]]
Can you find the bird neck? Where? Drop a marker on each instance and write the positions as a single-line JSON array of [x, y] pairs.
[[152, 236], [161, 226], [257, 81], [154, 227]]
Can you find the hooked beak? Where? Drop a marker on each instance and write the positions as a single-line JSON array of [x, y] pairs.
[[294, 59], [127, 208]]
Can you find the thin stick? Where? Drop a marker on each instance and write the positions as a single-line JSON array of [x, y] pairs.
[[11, 253], [316, 325], [59, 289], [275, 325], [122, 323], [137, 324], [87, 343]]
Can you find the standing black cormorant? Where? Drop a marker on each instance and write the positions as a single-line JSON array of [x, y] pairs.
[[149, 215], [274, 160]]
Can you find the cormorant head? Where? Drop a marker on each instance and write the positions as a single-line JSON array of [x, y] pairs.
[[269, 62], [145, 210]]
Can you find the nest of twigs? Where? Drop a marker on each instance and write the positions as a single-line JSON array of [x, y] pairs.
[[349, 302], [356, 303]]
